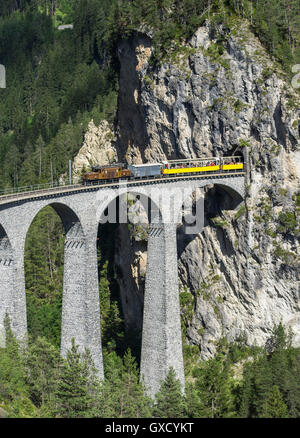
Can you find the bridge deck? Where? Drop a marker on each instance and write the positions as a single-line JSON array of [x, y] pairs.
[[51, 191]]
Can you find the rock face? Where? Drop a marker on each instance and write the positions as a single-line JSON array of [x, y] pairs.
[[98, 148], [130, 260], [221, 96]]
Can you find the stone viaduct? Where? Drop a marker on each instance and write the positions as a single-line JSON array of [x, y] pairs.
[[81, 209]]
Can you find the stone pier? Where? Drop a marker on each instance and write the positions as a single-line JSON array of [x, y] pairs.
[[162, 340]]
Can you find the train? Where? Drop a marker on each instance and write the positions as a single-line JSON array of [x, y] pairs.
[[164, 169]]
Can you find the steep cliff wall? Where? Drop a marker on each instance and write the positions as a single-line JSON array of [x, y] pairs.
[[98, 148], [222, 95]]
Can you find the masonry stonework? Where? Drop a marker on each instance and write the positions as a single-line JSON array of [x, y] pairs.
[[80, 210], [161, 341]]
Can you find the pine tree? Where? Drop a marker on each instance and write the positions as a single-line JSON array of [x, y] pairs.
[[292, 398], [12, 369], [42, 364], [76, 386], [215, 388], [121, 394], [193, 401], [136, 403], [245, 393], [111, 321], [274, 406], [169, 401]]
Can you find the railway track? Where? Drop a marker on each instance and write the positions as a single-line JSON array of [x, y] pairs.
[[61, 190]]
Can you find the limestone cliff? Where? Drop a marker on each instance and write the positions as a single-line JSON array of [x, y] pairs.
[[98, 148], [222, 95]]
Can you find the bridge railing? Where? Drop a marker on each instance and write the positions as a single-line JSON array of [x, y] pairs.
[[17, 192], [12, 190], [36, 189]]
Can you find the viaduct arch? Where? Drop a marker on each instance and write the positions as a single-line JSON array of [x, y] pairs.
[[81, 211]]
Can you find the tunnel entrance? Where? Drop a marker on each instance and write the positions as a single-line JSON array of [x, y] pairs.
[[236, 151]]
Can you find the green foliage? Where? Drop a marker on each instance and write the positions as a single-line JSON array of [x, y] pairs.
[[220, 222], [74, 388], [215, 388], [238, 350], [42, 364], [174, 22], [266, 73], [296, 198], [239, 106], [191, 356], [288, 223], [44, 251], [274, 406], [241, 211], [57, 81], [169, 401], [122, 395], [12, 368], [187, 302], [238, 382], [267, 381], [288, 257], [111, 321]]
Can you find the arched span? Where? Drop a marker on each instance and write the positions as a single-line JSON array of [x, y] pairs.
[[4, 240], [69, 218], [235, 186], [234, 190], [75, 257], [80, 300], [236, 195], [112, 204]]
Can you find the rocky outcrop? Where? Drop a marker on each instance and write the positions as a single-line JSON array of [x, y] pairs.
[[223, 95], [98, 148]]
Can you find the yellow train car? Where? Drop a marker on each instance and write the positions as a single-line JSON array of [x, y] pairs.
[[190, 170], [232, 163], [179, 167]]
